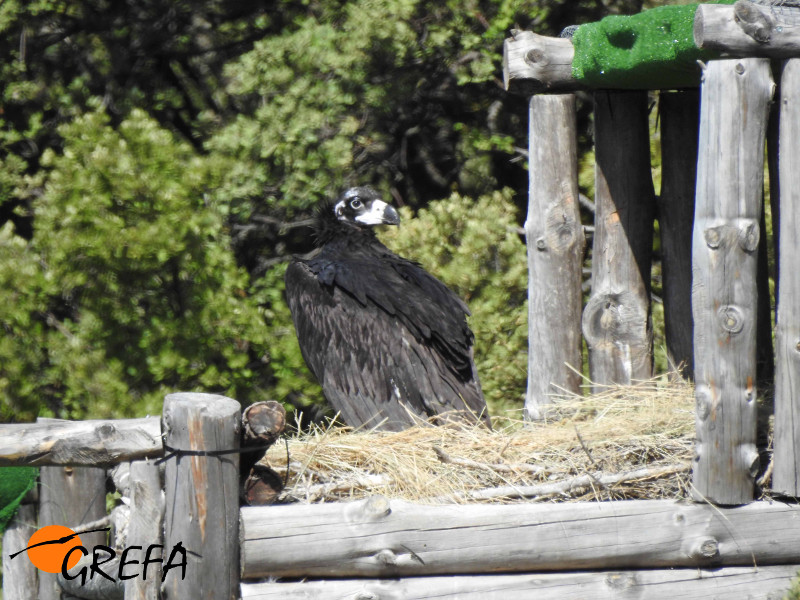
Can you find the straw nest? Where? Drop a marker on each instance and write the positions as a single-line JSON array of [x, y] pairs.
[[625, 442]]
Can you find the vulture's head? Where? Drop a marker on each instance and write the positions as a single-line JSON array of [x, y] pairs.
[[363, 207]]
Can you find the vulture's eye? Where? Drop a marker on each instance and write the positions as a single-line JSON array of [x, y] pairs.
[[355, 203]]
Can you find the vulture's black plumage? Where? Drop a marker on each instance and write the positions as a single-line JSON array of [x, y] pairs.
[[383, 337]]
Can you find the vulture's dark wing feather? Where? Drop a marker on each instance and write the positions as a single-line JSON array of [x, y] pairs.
[[383, 341]]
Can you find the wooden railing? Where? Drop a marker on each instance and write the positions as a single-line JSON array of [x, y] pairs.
[[711, 223], [370, 548]]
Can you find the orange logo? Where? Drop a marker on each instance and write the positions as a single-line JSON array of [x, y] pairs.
[[48, 546]]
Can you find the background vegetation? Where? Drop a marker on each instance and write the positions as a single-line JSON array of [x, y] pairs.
[[159, 160]]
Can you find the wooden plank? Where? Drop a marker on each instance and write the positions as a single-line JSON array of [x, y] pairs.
[[679, 113], [20, 577], [146, 525], [88, 443], [747, 29], [786, 476], [202, 494], [735, 100], [70, 496], [381, 538], [616, 320], [753, 583], [555, 244], [536, 63]]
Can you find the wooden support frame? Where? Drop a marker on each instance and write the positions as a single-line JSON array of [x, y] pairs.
[[88, 443], [734, 105], [616, 320], [744, 29], [697, 584], [679, 113], [382, 538], [555, 243], [20, 577], [202, 494], [70, 496], [786, 476]]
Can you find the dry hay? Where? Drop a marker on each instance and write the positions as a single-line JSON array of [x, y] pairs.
[[625, 442]]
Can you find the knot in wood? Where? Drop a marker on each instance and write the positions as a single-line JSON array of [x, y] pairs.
[[713, 237], [705, 549], [541, 245], [797, 346], [730, 319], [620, 581], [749, 235], [536, 56], [755, 23], [702, 400], [386, 557], [613, 317], [751, 460], [106, 430], [377, 506]]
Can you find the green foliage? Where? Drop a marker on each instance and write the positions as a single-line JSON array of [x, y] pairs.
[[473, 247], [158, 159], [794, 592], [129, 287]]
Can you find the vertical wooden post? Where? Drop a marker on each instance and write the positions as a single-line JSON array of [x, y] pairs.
[[555, 244], [70, 496], [786, 476], [616, 321], [20, 577], [146, 526], [733, 119], [679, 113], [202, 495]]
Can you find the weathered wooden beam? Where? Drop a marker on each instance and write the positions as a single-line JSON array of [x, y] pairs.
[[786, 475], [735, 101], [679, 113], [20, 577], [536, 63], [70, 496], [202, 494], [746, 29], [89, 443], [381, 538], [555, 244], [698, 584], [146, 527], [616, 320]]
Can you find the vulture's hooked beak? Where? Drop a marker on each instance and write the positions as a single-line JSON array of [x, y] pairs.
[[380, 213]]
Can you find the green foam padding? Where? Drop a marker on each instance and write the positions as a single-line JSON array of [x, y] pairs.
[[14, 484], [651, 50]]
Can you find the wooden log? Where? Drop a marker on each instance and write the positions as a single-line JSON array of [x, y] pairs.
[[202, 494], [747, 29], [88, 443], [381, 538], [70, 496], [555, 244], [616, 320], [733, 118], [20, 577], [679, 113], [146, 525], [536, 63], [761, 583], [262, 425], [786, 476]]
